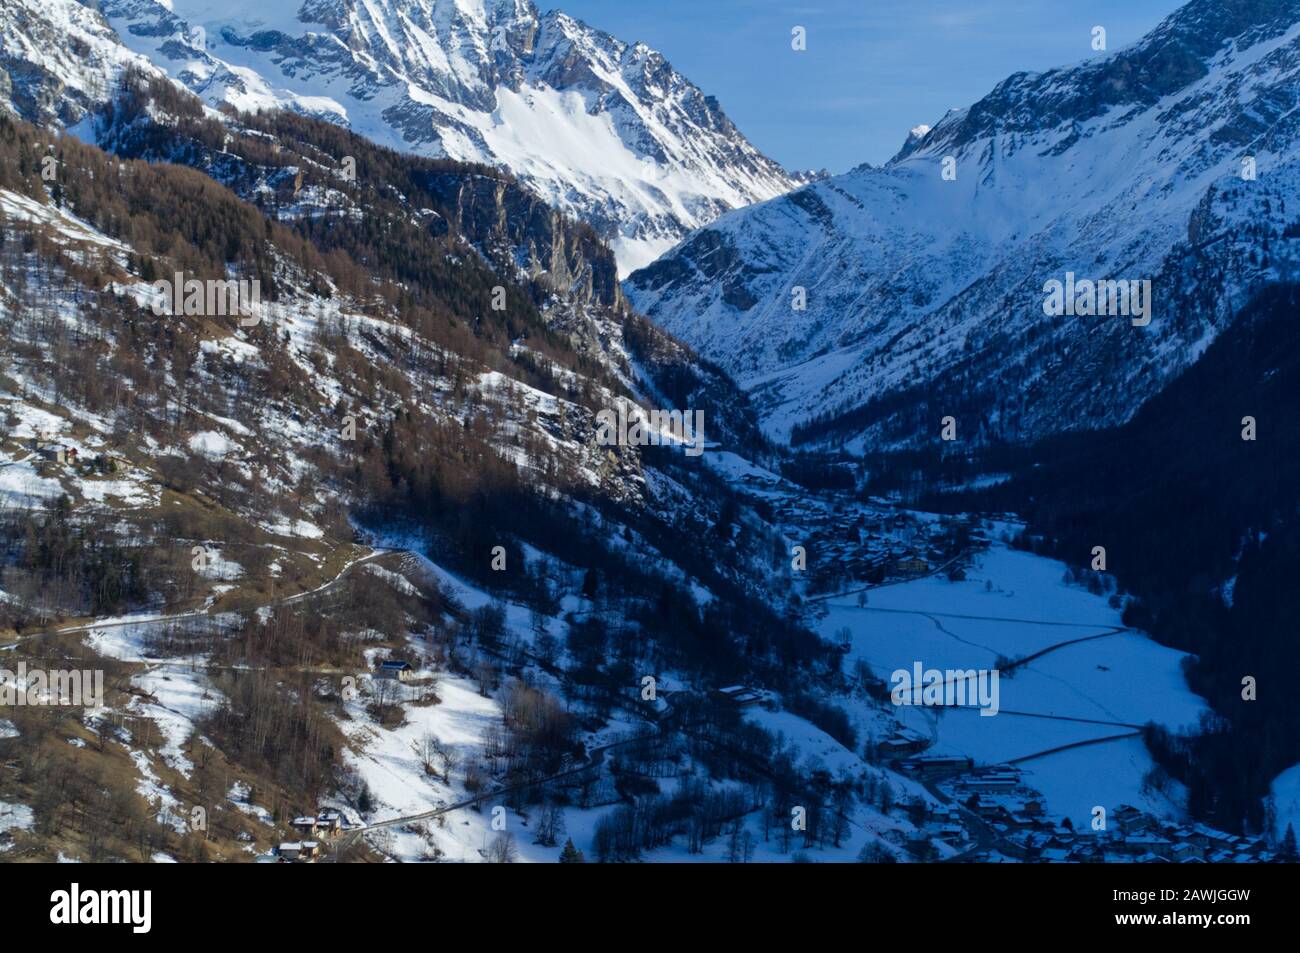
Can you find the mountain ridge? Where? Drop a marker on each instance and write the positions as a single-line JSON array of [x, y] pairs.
[[604, 129], [924, 278]]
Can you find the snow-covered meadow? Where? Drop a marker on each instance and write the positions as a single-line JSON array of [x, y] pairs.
[[1087, 677]]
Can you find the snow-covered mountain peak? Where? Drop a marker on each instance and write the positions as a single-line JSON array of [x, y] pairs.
[[913, 141], [1202, 38], [606, 130], [923, 280]]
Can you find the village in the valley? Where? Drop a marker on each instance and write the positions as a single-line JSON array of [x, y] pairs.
[[981, 812]]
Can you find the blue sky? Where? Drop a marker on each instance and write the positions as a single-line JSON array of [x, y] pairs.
[[873, 68]]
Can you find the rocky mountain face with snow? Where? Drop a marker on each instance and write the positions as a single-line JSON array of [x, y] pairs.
[[57, 61], [605, 130], [1173, 161]]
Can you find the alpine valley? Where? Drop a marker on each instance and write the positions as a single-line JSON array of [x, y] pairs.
[[566, 480]]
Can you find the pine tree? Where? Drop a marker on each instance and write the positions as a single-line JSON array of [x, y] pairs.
[[1288, 851], [571, 854]]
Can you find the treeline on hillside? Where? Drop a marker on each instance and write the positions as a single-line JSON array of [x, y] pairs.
[[52, 566], [898, 416], [180, 219], [821, 472], [770, 780], [168, 212], [395, 221], [450, 480], [271, 722], [404, 218]]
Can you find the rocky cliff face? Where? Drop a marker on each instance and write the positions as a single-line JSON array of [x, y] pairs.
[[57, 60], [514, 224]]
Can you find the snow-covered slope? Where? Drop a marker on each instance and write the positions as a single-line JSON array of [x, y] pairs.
[[80, 303], [925, 292], [606, 130], [58, 59]]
